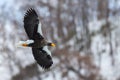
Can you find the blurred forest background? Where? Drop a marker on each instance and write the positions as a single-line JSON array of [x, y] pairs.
[[87, 34]]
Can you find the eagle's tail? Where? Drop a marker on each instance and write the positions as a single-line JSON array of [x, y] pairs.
[[24, 43]]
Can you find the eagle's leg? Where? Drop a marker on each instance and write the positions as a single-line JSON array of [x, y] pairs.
[[25, 43]]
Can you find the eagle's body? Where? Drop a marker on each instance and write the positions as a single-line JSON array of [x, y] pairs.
[[36, 40], [38, 43]]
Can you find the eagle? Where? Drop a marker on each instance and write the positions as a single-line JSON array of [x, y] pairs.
[[36, 41]]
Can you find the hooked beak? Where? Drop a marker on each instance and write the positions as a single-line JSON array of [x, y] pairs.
[[53, 45]]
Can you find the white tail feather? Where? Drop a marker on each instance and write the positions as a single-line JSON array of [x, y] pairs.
[[20, 43]]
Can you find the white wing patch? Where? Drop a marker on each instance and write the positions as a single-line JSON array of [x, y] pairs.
[[40, 29], [29, 41], [47, 50]]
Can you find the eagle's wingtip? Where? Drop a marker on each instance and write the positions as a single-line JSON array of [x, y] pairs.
[[29, 11]]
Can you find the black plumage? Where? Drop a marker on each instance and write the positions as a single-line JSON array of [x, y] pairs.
[[42, 58], [39, 49], [31, 22]]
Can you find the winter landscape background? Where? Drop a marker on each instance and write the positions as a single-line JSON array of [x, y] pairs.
[[86, 32]]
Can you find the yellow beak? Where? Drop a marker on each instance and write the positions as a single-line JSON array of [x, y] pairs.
[[53, 45]]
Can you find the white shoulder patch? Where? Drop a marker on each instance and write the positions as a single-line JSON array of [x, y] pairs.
[[29, 41], [47, 50], [39, 29]]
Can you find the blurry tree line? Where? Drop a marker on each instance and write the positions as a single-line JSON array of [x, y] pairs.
[[66, 23]]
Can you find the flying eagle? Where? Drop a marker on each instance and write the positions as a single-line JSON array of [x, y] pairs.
[[36, 40]]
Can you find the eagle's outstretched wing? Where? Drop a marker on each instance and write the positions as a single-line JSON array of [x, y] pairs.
[[42, 58], [32, 25]]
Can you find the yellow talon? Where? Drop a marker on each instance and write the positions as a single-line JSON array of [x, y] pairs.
[[25, 45]]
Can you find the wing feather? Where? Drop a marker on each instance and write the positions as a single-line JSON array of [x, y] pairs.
[[31, 23], [42, 58], [40, 29]]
